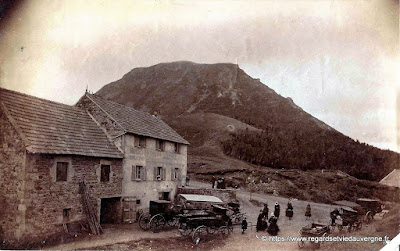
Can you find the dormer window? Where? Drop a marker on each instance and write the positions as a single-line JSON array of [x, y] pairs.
[[159, 145]]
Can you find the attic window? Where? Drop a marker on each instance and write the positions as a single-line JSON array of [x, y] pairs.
[[140, 141], [62, 171], [177, 148], [160, 145]]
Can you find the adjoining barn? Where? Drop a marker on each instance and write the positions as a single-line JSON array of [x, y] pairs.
[[47, 151]]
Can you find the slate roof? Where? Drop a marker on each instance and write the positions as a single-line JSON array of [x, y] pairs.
[[54, 128], [137, 122]]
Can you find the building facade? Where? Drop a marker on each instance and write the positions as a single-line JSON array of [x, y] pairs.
[[63, 166], [155, 156], [47, 150]]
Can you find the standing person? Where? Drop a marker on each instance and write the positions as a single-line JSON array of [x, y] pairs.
[[273, 228], [277, 210], [187, 180], [334, 214], [308, 212], [289, 210], [244, 225], [265, 210], [213, 181], [259, 222], [230, 227]]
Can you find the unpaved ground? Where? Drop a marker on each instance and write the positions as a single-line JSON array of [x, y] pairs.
[[128, 237]]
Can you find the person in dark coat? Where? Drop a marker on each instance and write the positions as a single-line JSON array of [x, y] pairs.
[[265, 210], [273, 228], [261, 222], [213, 181], [334, 214], [230, 227], [289, 210], [277, 210], [244, 225], [308, 212]]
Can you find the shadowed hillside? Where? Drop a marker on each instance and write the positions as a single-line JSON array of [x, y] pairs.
[[224, 112]]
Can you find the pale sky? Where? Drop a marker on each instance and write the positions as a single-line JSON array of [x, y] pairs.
[[338, 60]]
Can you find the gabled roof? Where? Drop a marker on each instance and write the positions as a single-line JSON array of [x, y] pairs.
[[392, 179], [137, 122], [54, 128]]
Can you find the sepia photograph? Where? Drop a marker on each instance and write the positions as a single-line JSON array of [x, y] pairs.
[[199, 125]]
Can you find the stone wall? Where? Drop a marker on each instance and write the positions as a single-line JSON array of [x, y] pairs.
[[12, 166], [47, 198], [226, 195]]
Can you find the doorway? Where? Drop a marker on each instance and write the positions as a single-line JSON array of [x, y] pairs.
[[110, 211]]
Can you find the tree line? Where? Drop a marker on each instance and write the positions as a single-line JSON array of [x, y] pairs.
[[319, 149]]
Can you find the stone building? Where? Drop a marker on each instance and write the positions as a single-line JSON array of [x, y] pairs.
[[46, 150], [155, 156]]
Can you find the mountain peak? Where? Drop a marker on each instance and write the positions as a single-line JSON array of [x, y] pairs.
[[182, 92]]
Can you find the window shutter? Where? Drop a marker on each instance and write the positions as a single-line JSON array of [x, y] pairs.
[[133, 176], [172, 173], [144, 142], [164, 173], [136, 141], [179, 174], [144, 173], [155, 173]]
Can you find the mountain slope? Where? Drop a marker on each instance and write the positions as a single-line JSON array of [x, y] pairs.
[[224, 112]]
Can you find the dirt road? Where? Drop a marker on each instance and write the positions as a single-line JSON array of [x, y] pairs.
[[125, 237]]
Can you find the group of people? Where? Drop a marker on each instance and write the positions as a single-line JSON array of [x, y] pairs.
[[262, 220], [220, 183], [272, 228]]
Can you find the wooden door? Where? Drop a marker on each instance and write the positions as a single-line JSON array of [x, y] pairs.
[[129, 209]]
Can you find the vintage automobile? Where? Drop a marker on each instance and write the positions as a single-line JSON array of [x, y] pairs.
[[200, 224], [371, 207], [350, 217], [164, 213]]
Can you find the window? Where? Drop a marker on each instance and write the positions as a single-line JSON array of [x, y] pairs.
[[159, 173], [105, 173], [177, 148], [62, 171], [66, 214], [140, 141], [138, 173], [137, 202], [175, 174], [160, 145]]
